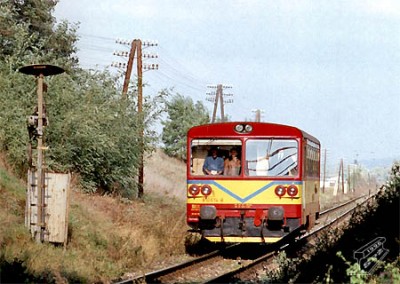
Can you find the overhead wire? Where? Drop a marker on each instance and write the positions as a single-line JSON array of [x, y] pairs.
[[180, 76], [172, 61], [178, 84], [171, 73]]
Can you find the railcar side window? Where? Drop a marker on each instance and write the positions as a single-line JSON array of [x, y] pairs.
[[271, 157], [312, 159], [220, 157]]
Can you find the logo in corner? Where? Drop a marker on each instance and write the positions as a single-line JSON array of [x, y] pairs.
[[374, 249]]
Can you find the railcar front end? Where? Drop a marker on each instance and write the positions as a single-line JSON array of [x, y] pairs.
[[273, 193]]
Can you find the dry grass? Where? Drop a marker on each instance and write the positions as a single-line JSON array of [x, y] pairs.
[[165, 175], [109, 237], [328, 199]]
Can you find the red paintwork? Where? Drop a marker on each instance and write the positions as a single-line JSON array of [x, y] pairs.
[[230, 210], [260, 130]]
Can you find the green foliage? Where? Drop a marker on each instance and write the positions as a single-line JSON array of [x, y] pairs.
[[29, 35], [182, 115], [354, 271], [322, 263], [283, 266], [91, 130], [389, 272], [394, 180]]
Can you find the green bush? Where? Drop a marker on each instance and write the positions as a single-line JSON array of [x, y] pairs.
[[182, 115], [91, 130]]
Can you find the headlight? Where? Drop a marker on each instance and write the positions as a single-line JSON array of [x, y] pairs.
[[243, 128], [248, 128], [239, 128]]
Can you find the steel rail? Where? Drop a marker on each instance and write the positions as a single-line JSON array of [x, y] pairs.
[[230, 276], [341, 205], [152, 277], [274, 248]]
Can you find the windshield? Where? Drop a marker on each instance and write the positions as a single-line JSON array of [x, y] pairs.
[[271, 157], [217, 157]]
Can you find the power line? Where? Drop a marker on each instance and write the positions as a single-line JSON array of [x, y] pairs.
[[181, 67], [180, 82], [171, 71], [181, 76], [96, 36]]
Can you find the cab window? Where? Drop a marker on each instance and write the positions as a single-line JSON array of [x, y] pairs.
[[271, 157], [219, 165]]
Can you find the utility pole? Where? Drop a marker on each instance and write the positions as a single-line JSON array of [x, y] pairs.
[[348, 178], [324, 177], [136, 47], [341, 175], [258, 114], [219, 96]]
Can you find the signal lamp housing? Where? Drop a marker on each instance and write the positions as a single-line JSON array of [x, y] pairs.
[[194, 189], [206, 190], [292, 190]]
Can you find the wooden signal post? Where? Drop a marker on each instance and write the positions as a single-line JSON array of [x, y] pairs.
[[40, 71]]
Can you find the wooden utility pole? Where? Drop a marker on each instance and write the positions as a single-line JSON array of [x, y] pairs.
[[129, 69], [324, 177], [340, 175], [348, 178], [141, 119], [136, 48], [219, 97], [258, 114], [216, 99]]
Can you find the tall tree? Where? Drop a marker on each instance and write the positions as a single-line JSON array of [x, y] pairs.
[[91, 131], [182, 115], [29, 34]]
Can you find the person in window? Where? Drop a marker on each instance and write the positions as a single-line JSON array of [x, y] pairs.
[[232, 164], [213, 165]]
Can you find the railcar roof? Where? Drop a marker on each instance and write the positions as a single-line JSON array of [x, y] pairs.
[[259, 129]]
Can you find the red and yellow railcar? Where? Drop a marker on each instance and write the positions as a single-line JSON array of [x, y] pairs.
[[274, 192]]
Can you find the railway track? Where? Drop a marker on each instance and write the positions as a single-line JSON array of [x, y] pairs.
[[250, 271], [241, 261]]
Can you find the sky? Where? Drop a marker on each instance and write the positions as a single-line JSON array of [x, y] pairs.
[[331, 68]]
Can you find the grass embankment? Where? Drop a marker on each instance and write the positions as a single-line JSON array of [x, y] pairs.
[[108, 236], [331, 259]]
